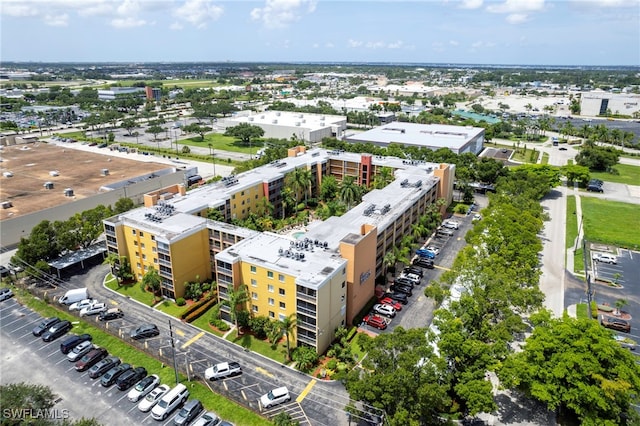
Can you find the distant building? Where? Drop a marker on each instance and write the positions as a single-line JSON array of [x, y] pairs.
[[284, 125], [459, 139], [598, 102], [116, 92], [153, 93]]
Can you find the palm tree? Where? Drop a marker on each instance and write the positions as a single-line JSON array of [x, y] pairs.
[[389, 261], [620, 303], [237, 300], [112, 259], [288, 324], [300, 181], [383, 177], [152, 281], [264, 207], [349, 191]]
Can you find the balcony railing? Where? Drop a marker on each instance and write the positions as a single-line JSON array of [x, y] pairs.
[[306, 339], [305, 296], [306, 311]]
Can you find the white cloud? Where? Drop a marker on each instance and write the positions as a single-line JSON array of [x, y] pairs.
[[128, 8], [17, 9], [199, 12], [176, 26], [57, 20], [354, 43], [453, 42], [281, 13], [129, 22], [517, 6], [399, 44], [517, 18], [471, 4], [611, 3]]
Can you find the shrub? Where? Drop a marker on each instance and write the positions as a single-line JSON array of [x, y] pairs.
[[331, 365], [180, 301], [201, 310], [197, 305], [260, 326], [220, 324]]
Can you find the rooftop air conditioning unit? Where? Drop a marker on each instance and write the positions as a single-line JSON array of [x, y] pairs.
[[68, 192], [104, 172], [274, 122], [251, 119], [297, 124], [48, 185], [54, 173], [278, 114], [7, 174]]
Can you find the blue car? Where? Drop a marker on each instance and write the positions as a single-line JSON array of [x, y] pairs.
[[426, 253]]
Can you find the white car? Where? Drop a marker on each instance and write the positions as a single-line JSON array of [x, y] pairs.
[[208, 419], [605, 258], [451, 224], [77, 352], [434, 249], [274, 397], [476, 217], [152, 398], [143, 387], [94, 309], [78, 306], [384, 309]]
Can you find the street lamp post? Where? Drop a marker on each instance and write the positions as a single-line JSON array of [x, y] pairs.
[[173, 350], [212, 153], [175, 136]]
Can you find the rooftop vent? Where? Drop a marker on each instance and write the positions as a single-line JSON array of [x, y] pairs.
[[68, 192], [404, 183], [104, 172], [54, 173], [7, 174], [6, 204], [48, 185]]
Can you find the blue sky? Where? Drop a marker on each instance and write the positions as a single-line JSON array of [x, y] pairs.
[[527, 32]]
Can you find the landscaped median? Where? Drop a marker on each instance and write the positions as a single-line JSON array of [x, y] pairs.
[[222, 406]]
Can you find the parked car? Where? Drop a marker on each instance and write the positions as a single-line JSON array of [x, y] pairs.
[[170, 401], [596, 182], [112, 375], [400, 288], [412, 270], [274, 397], [94, 309], [399, 297], [188, 413], [110, 314], [143, 387], [594, 188], [405, 281], [56, 330], [426, 253], [386, 310], [423, 263], [563, 148], [152, 398], [451, 224], [44, 325], [71, 342], [615, 323], [222, 370], [375, 321], [208, 419], [605, 258], [144, 331], [434, 249], [4, 271], [389, 301], [78, 306], [79, 351], [103, 366], [130, 378], [91, 358], [476, 217], [5, 293], [412, 278]]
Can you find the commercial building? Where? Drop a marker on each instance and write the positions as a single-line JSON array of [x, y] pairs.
[[600, 102], [117, 92], [305, 127], [324, 274], [459, 139]]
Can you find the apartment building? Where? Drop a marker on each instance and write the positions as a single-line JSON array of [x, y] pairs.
[[325, 276]]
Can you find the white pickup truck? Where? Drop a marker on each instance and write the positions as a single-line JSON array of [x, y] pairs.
[[222, 370]]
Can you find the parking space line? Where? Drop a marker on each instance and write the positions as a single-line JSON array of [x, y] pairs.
[[306, 390], [193, 339], [179, 332], [441, 267], [263, 371]]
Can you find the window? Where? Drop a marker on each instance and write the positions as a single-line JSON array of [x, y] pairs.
[[343, 283], [135, 243], [270, 288], [344, 271], [281, 317], [153, 249], [254, 283], [283, 305], [254, 295], [142, 245], [133, 231], [281, 278], [137, 254], [271, 302], [153, 238], [281, 291], [138, 265], [254, 308], [144, 256], [155, 260], [141, 234], [271, 315], [253, 269], [269, 274]]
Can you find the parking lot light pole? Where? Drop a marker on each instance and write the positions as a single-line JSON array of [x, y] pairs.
[[173, 350], [586, 272]]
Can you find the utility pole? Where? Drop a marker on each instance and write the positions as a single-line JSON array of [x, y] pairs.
[[173, 350], [586, 272]]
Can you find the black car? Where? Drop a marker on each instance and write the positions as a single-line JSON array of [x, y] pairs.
[[398, 297], [46, 324], [405, 281], [412, 270], [145, 330], [91, 359], [71, 342], [596, 182], [594, 188], [110, 314], [131, 377], [112, 375], [423, 263], [57, 330], [4, 271], [399, 288], [103, 366]]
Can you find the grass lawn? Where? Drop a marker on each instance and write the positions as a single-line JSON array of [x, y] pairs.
[[203, 323], [581, 311], [599, 216], [262, 347], [572, 222], [524, 156], [628, 174], [545, 158], [169, 307], [133, 291], [226, 408], [221, 142]]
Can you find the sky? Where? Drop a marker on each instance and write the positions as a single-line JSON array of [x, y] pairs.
[[510, 32]]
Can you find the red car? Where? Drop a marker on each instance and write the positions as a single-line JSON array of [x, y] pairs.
[[375, 321], [389, 301]]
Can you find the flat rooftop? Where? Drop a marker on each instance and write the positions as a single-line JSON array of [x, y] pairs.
[[34, 164], [427, 135], [292, 119]]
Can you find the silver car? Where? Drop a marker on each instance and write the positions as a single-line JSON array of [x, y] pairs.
[[78, 352]]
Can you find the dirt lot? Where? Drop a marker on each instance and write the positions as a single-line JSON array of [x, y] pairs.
[[32, 165]]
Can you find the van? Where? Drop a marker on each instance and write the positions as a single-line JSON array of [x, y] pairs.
[[170, 402], [73, 296], [274, 397]]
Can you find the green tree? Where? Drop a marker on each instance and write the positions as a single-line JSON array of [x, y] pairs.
[[123, 204], [328, 188], [128, 124], [288, 325], [284, 419], [305, 358], [598, 158], [237, 300], [576, 173], [245, 132], [593, 377], [349, 191], [196, 128], [152, 281], [155, 131], [383, 177], [40, 245]]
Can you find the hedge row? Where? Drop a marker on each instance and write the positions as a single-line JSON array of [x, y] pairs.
[[196, 305], [201, 310]]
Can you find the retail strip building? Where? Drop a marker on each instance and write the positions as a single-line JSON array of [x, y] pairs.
[[323, 275]]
